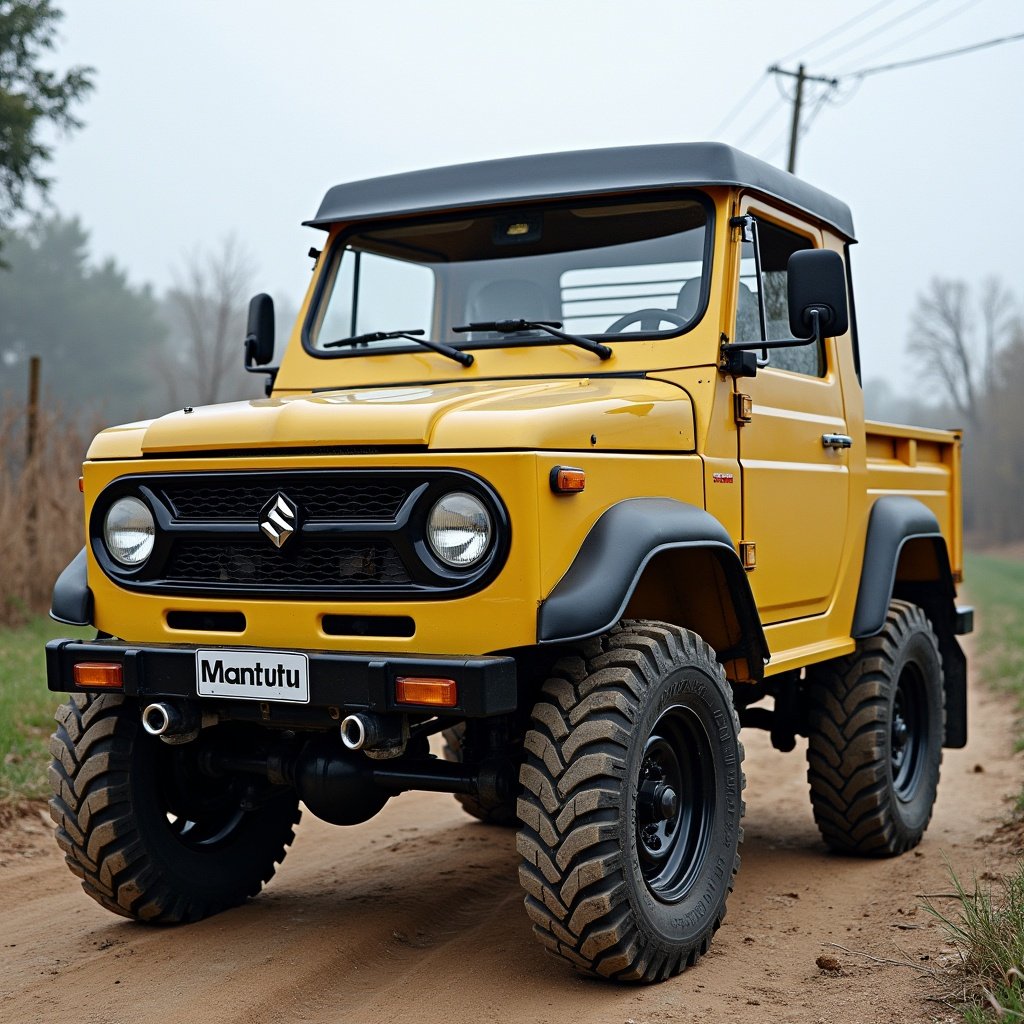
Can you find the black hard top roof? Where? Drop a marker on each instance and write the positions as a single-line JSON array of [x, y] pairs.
[[583, 172]]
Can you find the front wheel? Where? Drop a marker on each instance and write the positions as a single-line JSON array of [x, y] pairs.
[[150, 835], [631, 804], [875, 738]]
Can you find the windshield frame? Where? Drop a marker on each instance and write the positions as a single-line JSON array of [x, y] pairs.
[[334, 253]]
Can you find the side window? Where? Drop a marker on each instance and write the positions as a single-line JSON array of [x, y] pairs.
[[774, 247]]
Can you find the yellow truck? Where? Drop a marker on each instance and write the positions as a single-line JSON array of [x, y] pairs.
[[565, 460]]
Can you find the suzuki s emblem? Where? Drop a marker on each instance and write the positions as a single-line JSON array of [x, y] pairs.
[[278, 519]]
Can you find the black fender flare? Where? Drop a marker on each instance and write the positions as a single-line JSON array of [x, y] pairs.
[[595, 590], [72, 599], [894, 522]]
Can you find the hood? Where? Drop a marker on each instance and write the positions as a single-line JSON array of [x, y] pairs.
[[621, 413]]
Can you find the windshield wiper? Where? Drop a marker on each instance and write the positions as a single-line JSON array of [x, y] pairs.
[[466, 358], [548, 326]]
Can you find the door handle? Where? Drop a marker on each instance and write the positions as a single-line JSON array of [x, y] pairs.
[[836, 441]]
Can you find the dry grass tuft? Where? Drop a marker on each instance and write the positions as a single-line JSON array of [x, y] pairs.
[[987, 928], [40, 507]]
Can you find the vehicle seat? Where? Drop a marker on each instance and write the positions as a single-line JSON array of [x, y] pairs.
[[689, 298]]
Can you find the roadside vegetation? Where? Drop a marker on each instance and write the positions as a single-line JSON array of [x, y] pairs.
[[26, 710], [987, 922], [40, 463], [996, 586]]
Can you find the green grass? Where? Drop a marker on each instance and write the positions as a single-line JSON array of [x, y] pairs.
[[996, 586], [988, 930], [987, 925], [26, 708]]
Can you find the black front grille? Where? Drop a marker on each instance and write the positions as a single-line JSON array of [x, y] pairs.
[[356, 534], [332, 498], [319, 565]]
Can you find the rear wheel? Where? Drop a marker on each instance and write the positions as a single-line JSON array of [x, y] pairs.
[[875, 738], [149, 834], [631, 804], [491, 812]]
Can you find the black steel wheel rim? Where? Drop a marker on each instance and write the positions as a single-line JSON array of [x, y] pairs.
[[675, 797], [908, 732]]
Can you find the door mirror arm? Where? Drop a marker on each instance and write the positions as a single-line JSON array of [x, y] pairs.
[[736, 355]]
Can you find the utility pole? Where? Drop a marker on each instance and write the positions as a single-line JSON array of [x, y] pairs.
[[794, 128], [801, 76]]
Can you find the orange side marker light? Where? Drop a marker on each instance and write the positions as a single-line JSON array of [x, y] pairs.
[[568, 480], [99, 674], [438, 693]]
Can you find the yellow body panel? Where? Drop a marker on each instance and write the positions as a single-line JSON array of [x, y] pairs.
[[663, 424], [623, 414]]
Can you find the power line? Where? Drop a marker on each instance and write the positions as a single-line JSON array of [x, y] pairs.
[[902, 16], [819, 105], [928, 58], [760, 122], [747, 97], [801, 76], [838, 30], [889, 47]]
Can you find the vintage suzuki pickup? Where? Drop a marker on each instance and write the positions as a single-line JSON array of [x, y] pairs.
[[565, 463]]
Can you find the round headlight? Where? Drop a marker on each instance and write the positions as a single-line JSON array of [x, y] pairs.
[[129, 531], [459, 529]]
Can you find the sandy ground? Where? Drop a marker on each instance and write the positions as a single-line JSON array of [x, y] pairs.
[[416, 916]]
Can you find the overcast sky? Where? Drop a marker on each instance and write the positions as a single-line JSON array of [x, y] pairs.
[[216, 117]]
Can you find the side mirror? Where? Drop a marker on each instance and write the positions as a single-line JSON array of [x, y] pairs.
[[817, 294], [259, 335]]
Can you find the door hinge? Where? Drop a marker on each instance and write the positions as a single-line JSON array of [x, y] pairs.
[[748, 554], [743, 408]]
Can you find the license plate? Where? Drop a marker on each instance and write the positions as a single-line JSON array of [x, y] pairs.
[[253, 675]]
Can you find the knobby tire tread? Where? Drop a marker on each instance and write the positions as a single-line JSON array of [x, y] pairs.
[[571, 777], [847, 754], [96, 825]]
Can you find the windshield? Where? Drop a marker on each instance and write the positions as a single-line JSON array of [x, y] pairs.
[[623, 271]]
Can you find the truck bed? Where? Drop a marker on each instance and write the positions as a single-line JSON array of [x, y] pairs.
[[920, 463]]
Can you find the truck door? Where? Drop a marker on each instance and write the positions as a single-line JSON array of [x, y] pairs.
[[795, 474]]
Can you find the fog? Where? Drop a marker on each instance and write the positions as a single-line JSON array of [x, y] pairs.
[[209, 119]]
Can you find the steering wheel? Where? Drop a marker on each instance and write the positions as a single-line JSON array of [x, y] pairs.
[[647, 317]]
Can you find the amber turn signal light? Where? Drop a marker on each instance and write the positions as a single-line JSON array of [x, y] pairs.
[[568, 480], [99, 674], [438, 693]]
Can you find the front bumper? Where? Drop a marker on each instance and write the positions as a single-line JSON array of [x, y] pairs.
[[338, 683]]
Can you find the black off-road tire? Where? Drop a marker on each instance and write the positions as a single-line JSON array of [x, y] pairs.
[[111, 801], [503, 812], [642, 705], [876, 726]]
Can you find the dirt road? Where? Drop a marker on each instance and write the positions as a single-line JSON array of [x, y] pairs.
[[416, 916]]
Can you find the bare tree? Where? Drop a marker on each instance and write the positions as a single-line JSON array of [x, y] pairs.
[[206, 310], [945, 331], [974, 348]]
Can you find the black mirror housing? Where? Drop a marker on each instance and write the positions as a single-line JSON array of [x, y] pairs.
[[817, 281], [259, 335]]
